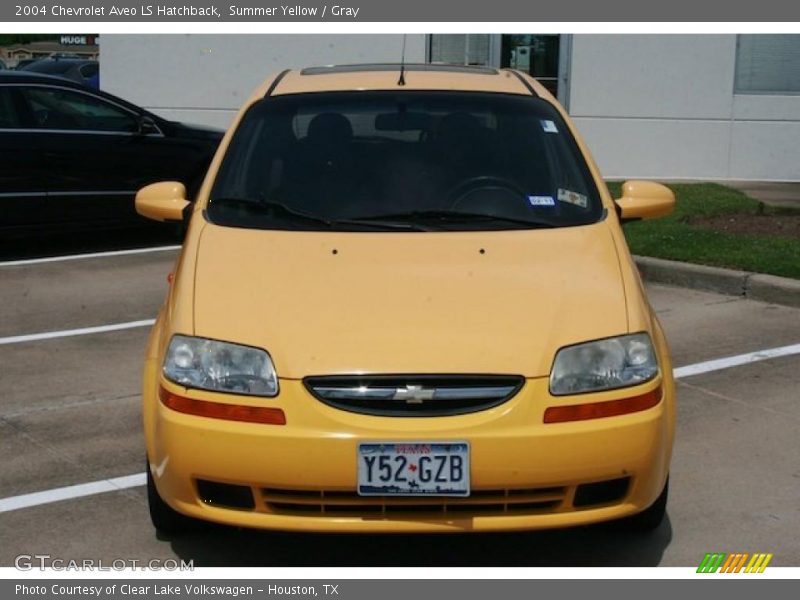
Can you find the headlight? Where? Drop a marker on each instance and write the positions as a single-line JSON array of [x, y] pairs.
[[603, 365], [220, 367]]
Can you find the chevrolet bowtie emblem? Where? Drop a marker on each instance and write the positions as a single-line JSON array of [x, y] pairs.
[[413, 394]]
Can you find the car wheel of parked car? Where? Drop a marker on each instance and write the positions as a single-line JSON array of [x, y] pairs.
[[651, 518], [166, 519]]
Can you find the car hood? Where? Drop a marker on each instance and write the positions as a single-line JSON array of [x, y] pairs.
[[455, 302]]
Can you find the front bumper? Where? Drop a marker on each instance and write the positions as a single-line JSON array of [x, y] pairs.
[[302, 476]]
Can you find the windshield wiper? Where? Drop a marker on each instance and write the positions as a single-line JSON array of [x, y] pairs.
[[275, 209], [268, 208], [455, 216]]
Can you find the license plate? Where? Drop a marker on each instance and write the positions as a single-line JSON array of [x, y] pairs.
[[413, 469]]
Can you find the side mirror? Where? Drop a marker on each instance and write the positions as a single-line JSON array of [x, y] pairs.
[[163, 201], [147, 126], [644, 200]]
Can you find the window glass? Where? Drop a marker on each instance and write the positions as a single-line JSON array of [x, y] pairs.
[[768, 64], [56, 108], [350, 156], [9, 116], [536, 55], [460, 49]]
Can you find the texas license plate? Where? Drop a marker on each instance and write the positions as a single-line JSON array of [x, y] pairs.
[[413, 469]]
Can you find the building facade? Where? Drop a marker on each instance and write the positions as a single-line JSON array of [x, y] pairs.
[[710, 107], [78, 46]]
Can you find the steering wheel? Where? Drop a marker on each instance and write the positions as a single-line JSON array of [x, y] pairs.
[[458, 193]]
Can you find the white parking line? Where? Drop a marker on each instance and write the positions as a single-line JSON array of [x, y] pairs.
[[50, 259], [735, 361], [72, 491], [49, 335], [121, 483]]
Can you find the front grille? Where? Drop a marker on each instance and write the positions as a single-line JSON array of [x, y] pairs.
[[480, 502], [414, 395]]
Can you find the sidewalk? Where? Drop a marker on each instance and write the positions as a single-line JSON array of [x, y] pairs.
[[771, 193]]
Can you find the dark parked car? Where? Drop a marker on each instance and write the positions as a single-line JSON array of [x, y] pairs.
[[83, 71], [72, 157], [25, 62]]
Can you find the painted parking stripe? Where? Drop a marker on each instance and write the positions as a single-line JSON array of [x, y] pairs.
[[51, 259], [73, 491], [139, 479], [735, 361], [49, 335]]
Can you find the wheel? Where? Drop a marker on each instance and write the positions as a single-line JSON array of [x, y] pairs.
[[164, 518], [650, 518]]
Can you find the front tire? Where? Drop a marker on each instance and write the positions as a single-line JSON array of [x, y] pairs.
[[165, 518]]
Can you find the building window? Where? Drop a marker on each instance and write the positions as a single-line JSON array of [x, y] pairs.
[[767, 64], [535, 54], [470, 49]]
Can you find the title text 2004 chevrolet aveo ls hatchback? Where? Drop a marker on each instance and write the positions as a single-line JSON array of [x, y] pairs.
[[405, 304]]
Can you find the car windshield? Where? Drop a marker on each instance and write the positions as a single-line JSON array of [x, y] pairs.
[[419, 161]]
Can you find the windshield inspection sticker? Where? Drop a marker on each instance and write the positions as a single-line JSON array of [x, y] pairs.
[[541, 201], [549, 126], [572, 198]]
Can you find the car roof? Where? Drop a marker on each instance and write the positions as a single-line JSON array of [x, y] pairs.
[[66, 61], [386, 76], [34, 77], [62, 65]]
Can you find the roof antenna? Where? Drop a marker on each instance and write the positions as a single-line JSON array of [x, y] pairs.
[[402, 80]]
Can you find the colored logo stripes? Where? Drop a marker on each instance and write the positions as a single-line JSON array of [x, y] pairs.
[[734, 563]]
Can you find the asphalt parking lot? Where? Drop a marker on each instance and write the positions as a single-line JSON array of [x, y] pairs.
[[69, 414]]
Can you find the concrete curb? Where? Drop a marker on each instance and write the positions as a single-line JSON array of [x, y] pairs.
[[753, 286]]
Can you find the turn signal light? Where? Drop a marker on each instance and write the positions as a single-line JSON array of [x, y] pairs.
[[598, 410], [217, 410]]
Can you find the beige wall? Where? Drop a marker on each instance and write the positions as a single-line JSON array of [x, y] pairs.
[[659, 106], [205, 78], [663, 106]]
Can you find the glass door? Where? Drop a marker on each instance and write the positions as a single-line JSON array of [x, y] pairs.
[[546, 57], [536, 55]]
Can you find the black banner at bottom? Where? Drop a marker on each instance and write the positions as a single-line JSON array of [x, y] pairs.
[[393, 589]]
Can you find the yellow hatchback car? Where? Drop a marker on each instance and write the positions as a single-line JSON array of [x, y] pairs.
[[405, 304]]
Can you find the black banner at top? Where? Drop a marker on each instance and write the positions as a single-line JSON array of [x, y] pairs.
[[401, 10]]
